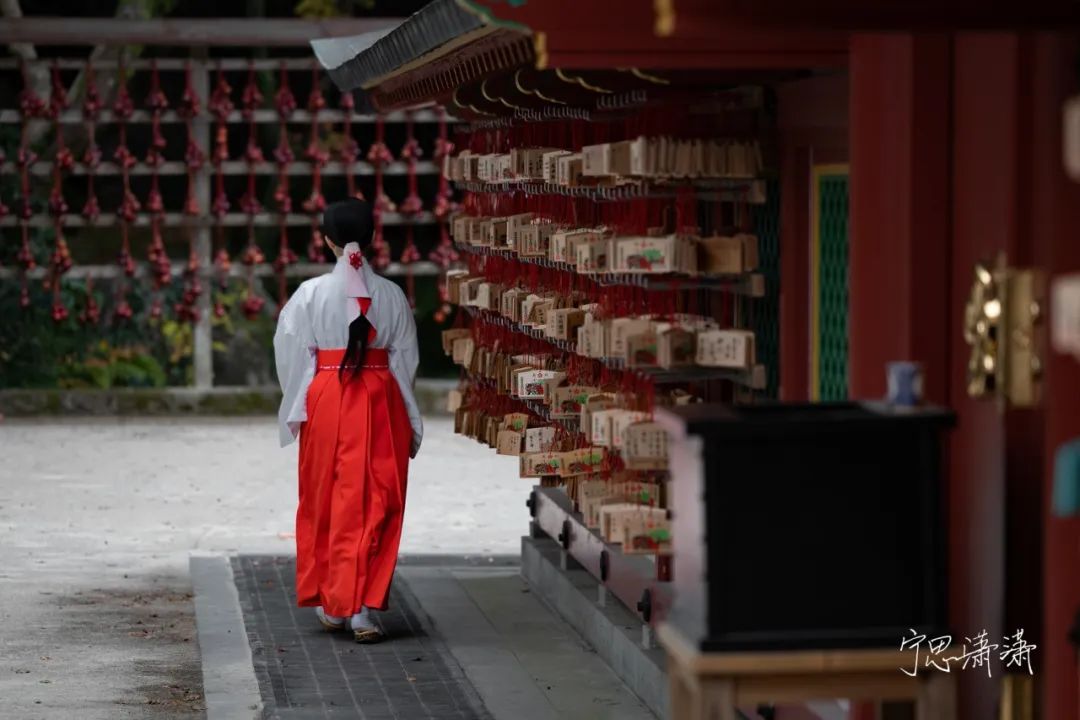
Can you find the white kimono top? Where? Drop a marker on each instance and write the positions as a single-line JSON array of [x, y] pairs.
[[317, 316]]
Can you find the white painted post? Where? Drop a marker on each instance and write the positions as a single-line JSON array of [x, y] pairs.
[[200, 127]]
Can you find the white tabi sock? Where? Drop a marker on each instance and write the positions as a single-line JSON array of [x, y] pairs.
[[332, 619], [363, 620]]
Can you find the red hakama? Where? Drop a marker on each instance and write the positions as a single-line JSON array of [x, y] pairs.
[[354, 460]]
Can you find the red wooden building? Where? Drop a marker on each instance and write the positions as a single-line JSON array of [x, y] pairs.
[[941, 127]]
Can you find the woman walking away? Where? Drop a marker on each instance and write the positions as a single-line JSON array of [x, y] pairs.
[[346, 356]]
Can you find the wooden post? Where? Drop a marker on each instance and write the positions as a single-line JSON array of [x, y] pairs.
[[200, 127]]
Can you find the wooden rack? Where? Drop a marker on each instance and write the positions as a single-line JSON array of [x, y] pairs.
[[203, 72]]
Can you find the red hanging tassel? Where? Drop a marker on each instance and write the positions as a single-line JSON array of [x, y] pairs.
[[186, 309], [30, 104], [284, 259], [379, 155], [122, 310], [220, 104], [349, 150], [412, 204], [160, 267], [92, 105], [91, 313], [284, 99], [252, 97]]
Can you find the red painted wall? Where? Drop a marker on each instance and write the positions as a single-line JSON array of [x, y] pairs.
[[955, 155]]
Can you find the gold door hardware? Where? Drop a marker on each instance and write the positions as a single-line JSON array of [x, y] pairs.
[[1003, 324]]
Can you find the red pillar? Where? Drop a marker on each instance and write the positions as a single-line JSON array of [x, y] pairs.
[[899, 214], [899, 100], [1056, 222]]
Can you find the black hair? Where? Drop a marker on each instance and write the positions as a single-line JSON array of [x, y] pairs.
[[356, 348], [351, 220]]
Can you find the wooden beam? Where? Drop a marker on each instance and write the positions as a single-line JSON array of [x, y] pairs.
[[173, 219], [237, 32], [303, 270]]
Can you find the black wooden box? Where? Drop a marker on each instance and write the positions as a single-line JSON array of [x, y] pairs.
[[807, 526]]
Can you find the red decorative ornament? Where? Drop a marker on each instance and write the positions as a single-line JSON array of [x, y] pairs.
[[189, 101], [253, 154], [315, 202], [60, 262], [129, 206], [379, 155], [25, 158], [25, 256], [91, 313], [249, 203], [58, 101], [315, 244], [412, 204], [356, 260], [127, 264], [411, 149], [186, 309], [220, 152], [283, 153], [59, 312], [444, 254], [123, 311], [410, 255], [123, 106], [381, 261], [282, 198], [444, 204], [194, 157], [284, 259], [220, 104], [284, 99], [443, 147], [155, 153], [92, 156], [160, 267], [155, 203], [316, 101], [30, 104], [123, 156], [349, 150], [156, 100], [92, 104], [57, 205], [286, 256], [252, 97], [194, 160], [252, 306], [91, 210], [252, 254], [221, 200]]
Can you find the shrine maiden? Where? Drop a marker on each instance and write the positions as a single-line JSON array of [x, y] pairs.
[[346, 356]]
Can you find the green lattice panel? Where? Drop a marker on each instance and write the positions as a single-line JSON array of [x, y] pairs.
[[833, 287], [766, 310]]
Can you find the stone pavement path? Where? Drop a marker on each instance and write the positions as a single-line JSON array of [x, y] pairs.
[[305, 672], [98, 519]]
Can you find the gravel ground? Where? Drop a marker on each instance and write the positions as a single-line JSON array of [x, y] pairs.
[[98, 519]]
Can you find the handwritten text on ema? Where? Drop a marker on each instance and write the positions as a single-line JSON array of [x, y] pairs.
[[1013, 651]]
